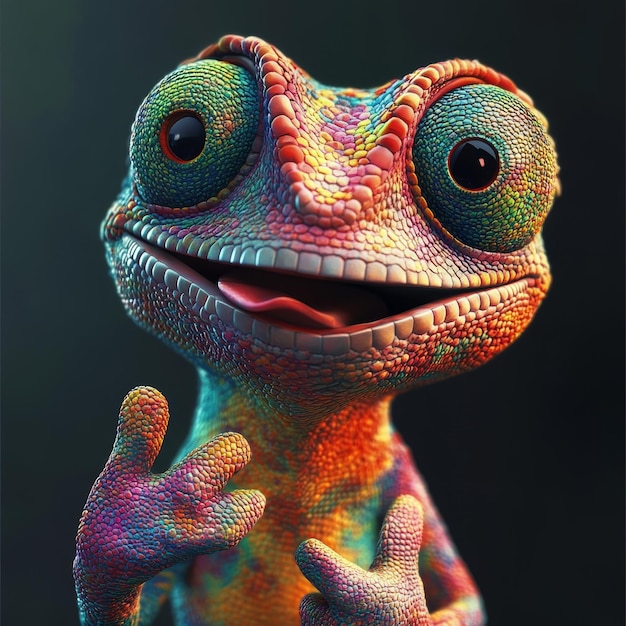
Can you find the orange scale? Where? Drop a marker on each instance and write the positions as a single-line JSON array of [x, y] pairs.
[[291, 154], [273, 75], [281, 105]]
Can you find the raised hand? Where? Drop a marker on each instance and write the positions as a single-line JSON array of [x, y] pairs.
[[390, 592], [136, 524]]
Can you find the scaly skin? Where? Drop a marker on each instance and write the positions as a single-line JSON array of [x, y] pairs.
[[314, 255]]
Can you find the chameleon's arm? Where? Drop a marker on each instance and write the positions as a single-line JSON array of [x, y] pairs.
[[136, 524], [417, 578], [152, 596], [452, 595]]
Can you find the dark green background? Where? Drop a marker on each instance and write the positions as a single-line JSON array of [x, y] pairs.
[[524, 457]]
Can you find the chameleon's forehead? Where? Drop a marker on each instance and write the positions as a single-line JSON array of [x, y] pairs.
[[324, 140]]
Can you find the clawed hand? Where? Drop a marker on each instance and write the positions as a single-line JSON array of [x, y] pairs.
[[390, 592], [136, 524]]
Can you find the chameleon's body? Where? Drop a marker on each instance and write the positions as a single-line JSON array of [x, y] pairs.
[[316, 253]]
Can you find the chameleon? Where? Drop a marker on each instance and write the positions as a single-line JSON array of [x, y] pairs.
[[314, 252]]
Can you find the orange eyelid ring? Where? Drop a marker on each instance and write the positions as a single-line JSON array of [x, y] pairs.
[[455, 83]]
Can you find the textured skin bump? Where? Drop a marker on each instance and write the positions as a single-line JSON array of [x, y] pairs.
[[304, 189], [137, 524]]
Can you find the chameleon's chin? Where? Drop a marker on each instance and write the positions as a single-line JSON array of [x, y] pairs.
[[291, 350]]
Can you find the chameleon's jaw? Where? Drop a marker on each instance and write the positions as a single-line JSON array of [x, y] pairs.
[[307, 373], [381, 317]]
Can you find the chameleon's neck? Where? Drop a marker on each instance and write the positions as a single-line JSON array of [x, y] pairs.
[[359, 434], [344, 456]]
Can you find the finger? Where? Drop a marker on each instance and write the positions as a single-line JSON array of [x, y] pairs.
[[213, 525], [332, 575], [141, 427], [235, 514], [401, 534], [209, 467]]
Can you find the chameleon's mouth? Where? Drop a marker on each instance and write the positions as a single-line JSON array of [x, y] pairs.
[[322, 315], [312, 303]]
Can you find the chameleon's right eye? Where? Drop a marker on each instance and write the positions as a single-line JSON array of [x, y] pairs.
[[473, 164], [486, 168], [193, 133]]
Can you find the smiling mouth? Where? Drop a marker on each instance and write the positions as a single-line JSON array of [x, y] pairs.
[[332, 316], [310, 302]]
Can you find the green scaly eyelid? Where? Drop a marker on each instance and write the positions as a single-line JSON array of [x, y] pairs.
[[508, 213], [224, 97]]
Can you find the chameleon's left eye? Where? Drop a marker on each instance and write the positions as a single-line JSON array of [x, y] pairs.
[[193, 133], [183, 136], [485, 167]]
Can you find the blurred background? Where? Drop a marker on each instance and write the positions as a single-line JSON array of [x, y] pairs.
[[524, 457]]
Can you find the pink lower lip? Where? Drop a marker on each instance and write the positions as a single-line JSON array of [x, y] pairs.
[[306, 305]]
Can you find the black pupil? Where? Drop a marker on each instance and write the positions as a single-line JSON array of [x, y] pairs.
[[186, 137], [474, 164]]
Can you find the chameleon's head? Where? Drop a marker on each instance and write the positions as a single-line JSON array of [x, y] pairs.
[[321, 246]]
